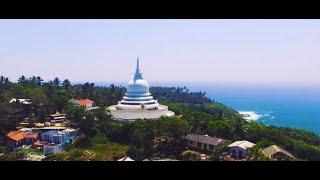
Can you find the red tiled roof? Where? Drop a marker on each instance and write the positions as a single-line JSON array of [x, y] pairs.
[[15, 135], [40, 143], [19, 135], [83, 102]]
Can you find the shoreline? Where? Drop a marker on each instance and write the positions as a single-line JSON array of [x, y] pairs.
[[250, 115]]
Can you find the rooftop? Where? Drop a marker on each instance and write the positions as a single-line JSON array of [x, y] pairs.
[[271, 150], [126, 159], [57, 114], [59, 133], [204, 139], [40, 143], [20, 135], [83, 102], [242, 144]]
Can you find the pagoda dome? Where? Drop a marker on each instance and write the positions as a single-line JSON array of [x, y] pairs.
[[138, 86], [138, 103]]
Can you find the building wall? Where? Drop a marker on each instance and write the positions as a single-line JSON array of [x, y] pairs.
[[26, 141], [281, 156], [140, 114], [67, 138], [202, 146], [235, 151], [192, 144], [12, 144], [89, 105], [51, 138], [52, 149], [29, 141]]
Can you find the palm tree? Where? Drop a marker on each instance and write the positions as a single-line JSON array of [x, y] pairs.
[[1, 80], [6, 80], [22, 80], [49, 88], [56, 82], [87, 89], [39, 81], [66, 84], [239, 129]]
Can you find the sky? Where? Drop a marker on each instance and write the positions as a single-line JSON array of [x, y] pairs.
[[182, 50]]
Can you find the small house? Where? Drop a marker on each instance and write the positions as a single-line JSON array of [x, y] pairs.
[[203, 142], [18, 138], [277, 153], [48, 148], [53, 141], [83, 102], [238, 149], [56, 137]]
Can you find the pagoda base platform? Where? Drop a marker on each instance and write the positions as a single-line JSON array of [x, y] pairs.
[[132, 114]]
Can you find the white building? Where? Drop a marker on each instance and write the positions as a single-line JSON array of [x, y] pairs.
[[238, 149], [127, 158], [203, 142], [138, 102], [22, 101]]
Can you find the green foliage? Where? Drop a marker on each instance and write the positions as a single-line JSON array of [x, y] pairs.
[[88, 125], [222, 129], [173, 127], [8, 123], [99, 149], [255, 154], [11, 156], [179, 95], [239, 130], [100, 138], [195, 114], [138, 153], [216, 154], [75, 114], [1, 149], [189, 156], [224, 111]]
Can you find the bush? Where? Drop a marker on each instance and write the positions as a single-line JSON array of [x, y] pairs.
[[100, 138]]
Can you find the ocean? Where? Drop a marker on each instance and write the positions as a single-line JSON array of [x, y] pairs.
[[272, 104], [285, 105]]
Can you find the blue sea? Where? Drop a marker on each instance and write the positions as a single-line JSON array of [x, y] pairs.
[[286, 105]]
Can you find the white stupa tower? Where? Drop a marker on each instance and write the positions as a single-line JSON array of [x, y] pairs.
[[138, 102]]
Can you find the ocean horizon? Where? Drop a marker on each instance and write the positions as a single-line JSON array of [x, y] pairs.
[[279, 104]]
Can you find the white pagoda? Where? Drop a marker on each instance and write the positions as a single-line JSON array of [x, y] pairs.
[[138, 102]]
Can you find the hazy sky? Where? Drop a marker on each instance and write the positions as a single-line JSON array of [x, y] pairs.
[[170, 50]]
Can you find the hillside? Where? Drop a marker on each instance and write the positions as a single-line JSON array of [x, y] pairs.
[[106, 139]]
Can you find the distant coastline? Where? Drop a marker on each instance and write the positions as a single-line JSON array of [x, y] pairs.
[[279, 104]]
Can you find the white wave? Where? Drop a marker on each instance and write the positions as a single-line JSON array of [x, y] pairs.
[[272, 117], [250, 115], [267, 114]]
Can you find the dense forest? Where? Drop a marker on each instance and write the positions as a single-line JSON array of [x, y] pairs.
[[106, 139]]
